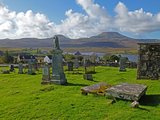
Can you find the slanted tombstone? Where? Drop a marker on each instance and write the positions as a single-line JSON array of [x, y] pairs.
[[127, 91], [11, 68], [98, 88], [70, 66], [122, 64], [20, 68], [45, 74], [31, 68], [58, 76]]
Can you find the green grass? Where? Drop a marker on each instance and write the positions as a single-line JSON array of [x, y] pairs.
[[22, 97]]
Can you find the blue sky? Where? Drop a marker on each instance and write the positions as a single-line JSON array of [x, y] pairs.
[[80, 17], [55, 9]]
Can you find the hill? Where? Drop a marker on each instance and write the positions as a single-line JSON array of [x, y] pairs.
[[105, 39]]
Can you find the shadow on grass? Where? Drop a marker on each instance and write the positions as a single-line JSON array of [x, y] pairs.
[[74, 84], [74, 73], [150, 100], [144, 109]]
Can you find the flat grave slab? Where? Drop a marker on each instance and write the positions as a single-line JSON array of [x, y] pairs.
[[127, 91], [95, 89]]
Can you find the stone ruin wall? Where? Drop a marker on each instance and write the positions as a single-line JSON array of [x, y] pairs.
[[149, 61]]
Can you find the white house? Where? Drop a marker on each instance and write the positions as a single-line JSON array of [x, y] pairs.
[[48, 59]]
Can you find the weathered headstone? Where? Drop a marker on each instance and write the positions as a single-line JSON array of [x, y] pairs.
[[89, 69], [70, 66], [87, 77], [149, 61], [31, 68], [76, 65], [122, 64], [89, 66], [127, 91], [58, 76], [45, 74], [20, 68], [11, 68]]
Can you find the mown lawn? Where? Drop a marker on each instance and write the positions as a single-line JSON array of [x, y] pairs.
[[22, 97]]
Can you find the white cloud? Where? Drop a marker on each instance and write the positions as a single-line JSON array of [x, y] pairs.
[[137, 21], [94, 21], [78, 25], [19, 25]]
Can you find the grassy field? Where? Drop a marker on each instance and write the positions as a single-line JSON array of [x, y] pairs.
[[22, 97]]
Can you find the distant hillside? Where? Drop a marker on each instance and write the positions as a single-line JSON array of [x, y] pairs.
[[103, 40]]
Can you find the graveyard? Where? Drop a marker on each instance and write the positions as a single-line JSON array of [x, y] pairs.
[[78, 90], [80, 60], [23, 97]]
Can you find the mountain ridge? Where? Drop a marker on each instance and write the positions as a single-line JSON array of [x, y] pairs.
[[105, 39]]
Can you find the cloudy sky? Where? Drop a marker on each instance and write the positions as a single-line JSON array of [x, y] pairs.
[[79, 18]]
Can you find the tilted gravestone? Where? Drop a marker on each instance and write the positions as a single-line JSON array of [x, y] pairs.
[[149, 61], [98, 88], [20, 68], [45, 74], [127, 91], [58, 76]]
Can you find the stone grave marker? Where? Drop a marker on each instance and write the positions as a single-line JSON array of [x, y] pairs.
[[127, 91], [11, 68], [122, 64], [89, 68], [20, 68], [98, 88], [31, 68], [70, 66], [58, 76], [76, 63], [45, 74]]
